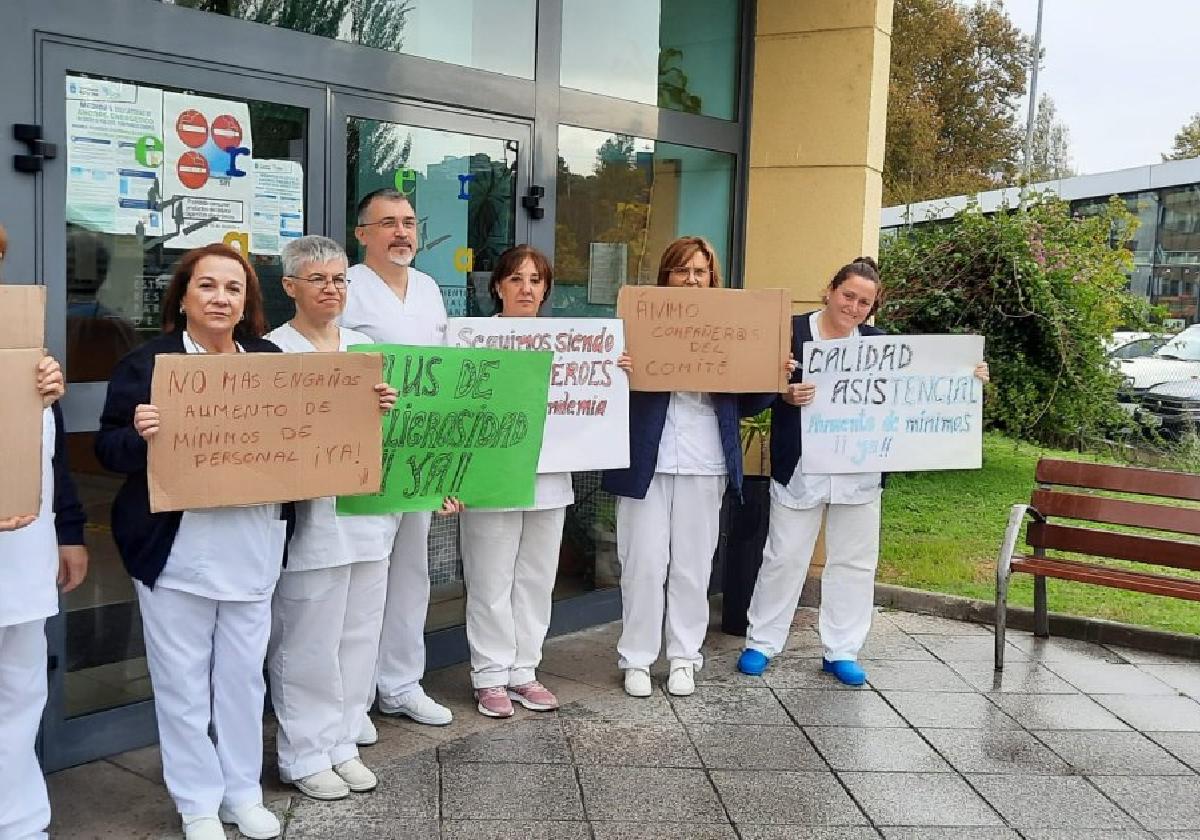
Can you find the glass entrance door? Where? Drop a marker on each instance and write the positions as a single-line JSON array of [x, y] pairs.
[[155, 158], [464, 174]]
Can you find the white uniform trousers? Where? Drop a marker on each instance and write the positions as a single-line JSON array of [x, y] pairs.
[[206, 666], [847, 584], [24, 807], [402, 642], [509, 563], [665, 543], [325, 627]]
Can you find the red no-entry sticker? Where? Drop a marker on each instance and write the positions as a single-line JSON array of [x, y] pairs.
[[192, 128], [226, 132], [193, 170]]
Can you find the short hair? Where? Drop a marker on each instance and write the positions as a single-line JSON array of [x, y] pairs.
[[681, 251], [507, 265], [310, 249], [254, 319], [387, 193], [867, 269]]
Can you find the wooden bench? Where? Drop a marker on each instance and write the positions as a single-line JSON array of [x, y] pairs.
[[1067, 490]]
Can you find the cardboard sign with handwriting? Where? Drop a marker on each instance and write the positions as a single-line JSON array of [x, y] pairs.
[[716, 340], [252, 428], [22, 326]]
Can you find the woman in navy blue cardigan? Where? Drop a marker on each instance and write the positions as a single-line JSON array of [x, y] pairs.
[[204, 578], [684, 451]]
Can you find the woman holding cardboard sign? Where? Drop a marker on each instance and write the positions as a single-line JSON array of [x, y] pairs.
[[684, 451], [204, 578], [328, 606], [848, 503]]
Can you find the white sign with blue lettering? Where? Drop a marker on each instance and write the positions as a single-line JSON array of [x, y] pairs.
[[893, 403]]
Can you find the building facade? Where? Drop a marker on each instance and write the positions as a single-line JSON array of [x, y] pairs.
[[595, 131], [1165, 197]]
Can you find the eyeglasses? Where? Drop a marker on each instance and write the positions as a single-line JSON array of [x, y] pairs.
[[685, 271], [391, 223], [320, 281]]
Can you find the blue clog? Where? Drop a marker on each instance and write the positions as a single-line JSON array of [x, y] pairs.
[[753, 662], [846, 670]]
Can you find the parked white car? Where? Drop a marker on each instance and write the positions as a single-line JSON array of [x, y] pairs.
[[1177, 360]]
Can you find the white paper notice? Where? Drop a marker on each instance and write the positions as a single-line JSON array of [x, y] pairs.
[[278, 205], [114, 155], [893, 403], [208, 169], [587, 413]]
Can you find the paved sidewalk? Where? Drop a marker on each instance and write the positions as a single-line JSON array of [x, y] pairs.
[[1075, 741]]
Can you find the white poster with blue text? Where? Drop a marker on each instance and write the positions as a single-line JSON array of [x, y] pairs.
[[587, 408], [892, 404]]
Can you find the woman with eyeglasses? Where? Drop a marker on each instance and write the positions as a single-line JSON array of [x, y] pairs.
[[684, 451], [204, 578], [328, 606]]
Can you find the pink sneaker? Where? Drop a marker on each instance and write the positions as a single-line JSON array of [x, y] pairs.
[[533, 695], [493, 702]]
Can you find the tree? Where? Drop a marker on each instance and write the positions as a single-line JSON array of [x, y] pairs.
[[1051, 156], [1187, 141], [957, 75]]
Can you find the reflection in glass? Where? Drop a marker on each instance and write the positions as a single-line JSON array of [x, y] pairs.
[[676, 54], [484, 34], [621, 200], [127, 225], [463, 188], [1177, 270]]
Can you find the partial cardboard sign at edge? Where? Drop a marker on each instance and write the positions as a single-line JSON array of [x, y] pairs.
[[22, 335]]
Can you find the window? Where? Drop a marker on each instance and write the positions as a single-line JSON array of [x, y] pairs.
[[676, 54], [621, 200], [485, 34]]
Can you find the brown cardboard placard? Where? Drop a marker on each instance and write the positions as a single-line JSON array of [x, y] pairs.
[[253, 428], [21, 419], [23, 325], [717, 340]]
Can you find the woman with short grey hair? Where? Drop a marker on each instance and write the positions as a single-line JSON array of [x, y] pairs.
[[328, 606]]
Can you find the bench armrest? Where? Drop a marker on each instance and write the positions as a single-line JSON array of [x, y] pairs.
[[1016, 517]]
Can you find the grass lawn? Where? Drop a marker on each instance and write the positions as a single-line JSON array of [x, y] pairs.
[[942, 532]]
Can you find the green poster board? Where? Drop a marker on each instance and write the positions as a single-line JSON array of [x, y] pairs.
[[468, 423]]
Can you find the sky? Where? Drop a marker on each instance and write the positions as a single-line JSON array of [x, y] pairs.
[[1123, 74]]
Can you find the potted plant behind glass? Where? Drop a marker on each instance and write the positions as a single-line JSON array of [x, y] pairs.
[[745, 525]]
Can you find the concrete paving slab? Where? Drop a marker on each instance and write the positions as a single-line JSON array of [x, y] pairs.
[[538, 740], [1157, 802], [510, 792], [408, 791], [919, 799], [1113, 754], [949, 710], [949, 834], [1183, 745], [731, 704], [1016, 678], [851, 708], [1057, 711], [649, 794], [604, 830], [1159, 714], [932, 624], [633, 745], [1108, 678], [995, 751], [1056, 649], [802, 832], [754, 747], [1185, 678], [974, 647], [802, 673], [512, 830], [886, 675], [1050, 802], [896, 750], [774, 797]]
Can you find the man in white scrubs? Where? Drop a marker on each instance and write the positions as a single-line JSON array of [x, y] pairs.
[[394, 303]]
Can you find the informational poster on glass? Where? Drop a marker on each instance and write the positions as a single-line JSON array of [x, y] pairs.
[[607, 266], [156, 163], [209, 169], [114, 156], [278, 211]]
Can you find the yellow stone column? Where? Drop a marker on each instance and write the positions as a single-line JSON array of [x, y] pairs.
[[817, 125]]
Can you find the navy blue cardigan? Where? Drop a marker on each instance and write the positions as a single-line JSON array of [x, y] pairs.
[[785, 419], [144, 539], [69, 517], [648, 416]]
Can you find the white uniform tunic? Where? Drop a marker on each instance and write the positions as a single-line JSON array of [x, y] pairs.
[[374, 309], [850, 504], [665, 542], [206, 623], [326, 618], [28, 568]]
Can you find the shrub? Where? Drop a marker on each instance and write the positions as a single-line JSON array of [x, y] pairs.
[[1044, 288]]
